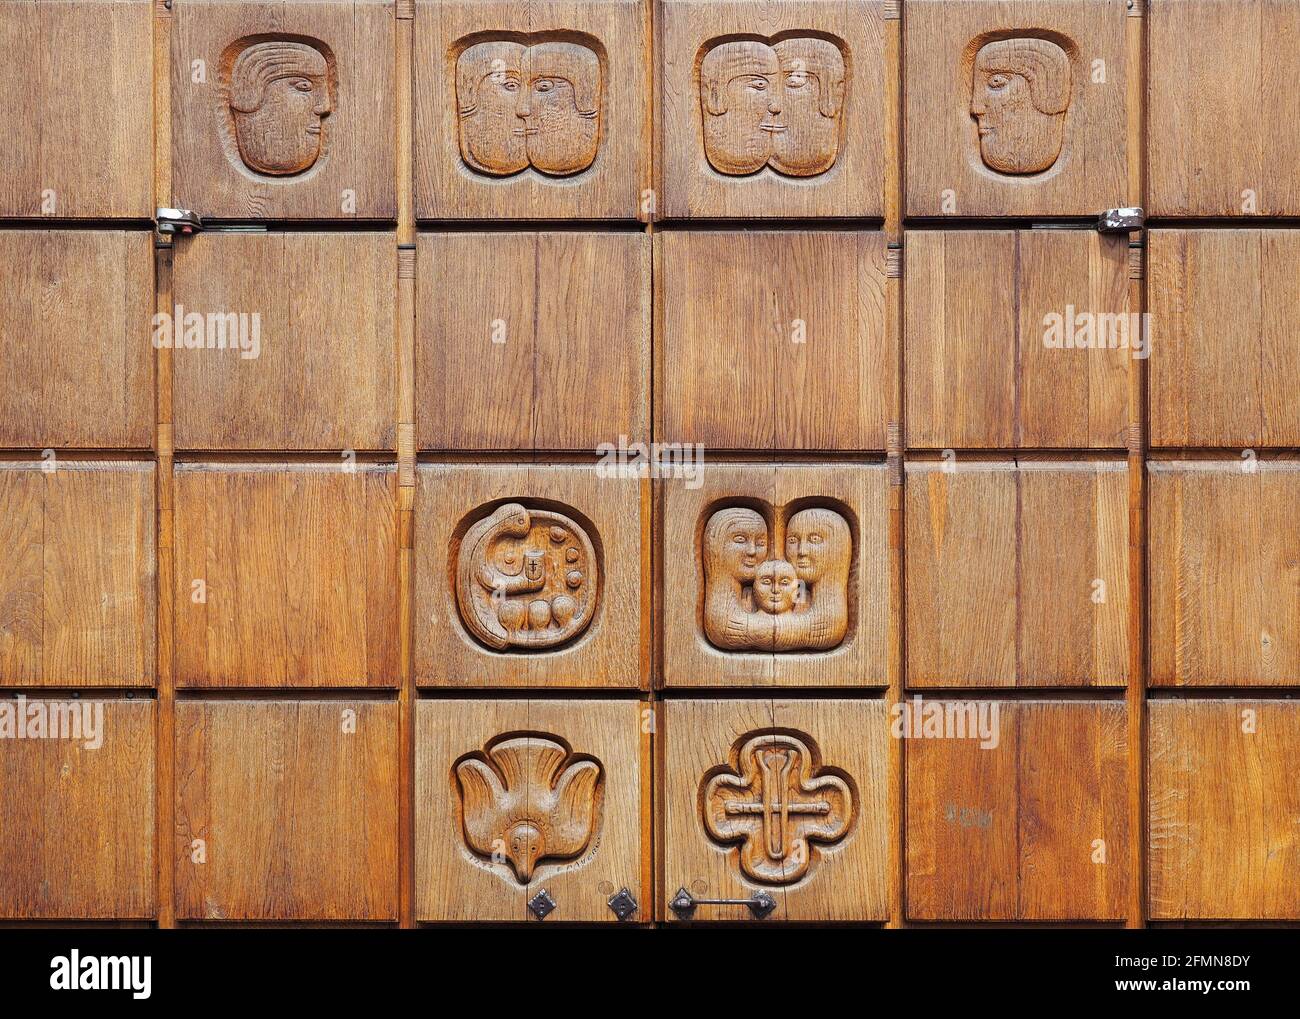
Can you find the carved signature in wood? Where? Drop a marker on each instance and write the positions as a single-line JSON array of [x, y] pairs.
[[776, 802], [1019, 98], [754, 601], [280, 95], [528, 799], [526, 578], [532, 105], [778, 105]]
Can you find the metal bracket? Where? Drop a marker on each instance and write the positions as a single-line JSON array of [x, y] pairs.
[[623, 903], [1120, 221], [541, 905], [178, 221], [684, 904]]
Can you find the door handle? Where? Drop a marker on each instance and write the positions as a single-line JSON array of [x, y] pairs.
[[684, 904]]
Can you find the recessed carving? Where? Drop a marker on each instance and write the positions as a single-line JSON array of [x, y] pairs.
[[1020, 93], [279, 94], [526, 800], [758, 600], [526, 578], [776, 802], [772, 104], [529, 103]]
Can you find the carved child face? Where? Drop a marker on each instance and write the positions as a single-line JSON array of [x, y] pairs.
[[740, 89], [814, 540], [1019, 97], [738, 538], [489, 80], [812, 84], [776, 587], [280, 97], [558, 109]]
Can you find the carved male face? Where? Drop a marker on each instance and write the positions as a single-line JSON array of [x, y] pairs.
[[489, 80], [558, 107], [812, 85], [740, 90], [280, 97], [1019, 96], [776, 588], [814, 539], [738, 537]]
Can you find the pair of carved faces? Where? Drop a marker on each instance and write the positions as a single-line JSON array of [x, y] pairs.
[[774, 105], [1019, 97], [522, 106], [280, 94]]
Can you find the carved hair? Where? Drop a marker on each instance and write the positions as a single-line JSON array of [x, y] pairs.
[[264, 62], [1040, 62], [728, 61], [823, 61], [575, 64], [477, 62]]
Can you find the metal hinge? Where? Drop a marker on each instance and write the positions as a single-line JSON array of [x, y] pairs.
[[684, 904], [178, 221]]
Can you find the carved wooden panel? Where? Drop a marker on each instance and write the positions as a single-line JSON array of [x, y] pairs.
[[76, 809], [1000, 827], [286, 575], [1015, 108], [1017, 574], [284, 111], [1224, 359], [76, 362], [1237, 155], [1017, 339], [284, 341], [246, 768], [77, 593], [1222, 808], [776, 575], [786, 798], [76, 109], [532, 341], [1224, 560], [774, 340], [518, 798], [770, 110], [531, 111], [530, 576]]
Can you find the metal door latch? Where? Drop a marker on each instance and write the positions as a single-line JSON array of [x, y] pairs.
[[1120, 221], [623, 903], [178, 221], [541, 905], [684, 904]]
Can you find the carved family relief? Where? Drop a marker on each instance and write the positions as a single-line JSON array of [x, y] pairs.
[[526, 578], [535, 104], [777, 104], [788, 598], [1020, 94]]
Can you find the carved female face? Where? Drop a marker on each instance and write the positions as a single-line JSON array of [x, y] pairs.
[[814, 539], [812, 83], [279, 97], [737, 541], [1019, 96], [776, 588]]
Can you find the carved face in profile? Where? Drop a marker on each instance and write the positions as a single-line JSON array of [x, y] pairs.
[[1019, 98], [740, 90], [776, 587], [522, 106], [739, 539], [812, 100], [279, 98]]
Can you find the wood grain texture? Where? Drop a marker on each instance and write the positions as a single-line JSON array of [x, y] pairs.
[[1012, 832], [449, 499], [1224, 360], [857, 493], [349, 174], [532, 341], [774, 340], [324, 374], [1237, 154], [1039, 159], [77, 603], [1223, 805], [76, 818], [689, 183], [980, 308], [609, 187], [1224, 573], [298, 564], [76, 360], [454, 882], [296, 806], [846, 878], [1017, 575], [76, 109]]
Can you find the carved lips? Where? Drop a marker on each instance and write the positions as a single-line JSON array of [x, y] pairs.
[[775, 803], [527, 799], [1019, 97], [528, 105], [776, 105]]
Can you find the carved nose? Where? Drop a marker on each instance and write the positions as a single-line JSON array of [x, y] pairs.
[[524, 843]]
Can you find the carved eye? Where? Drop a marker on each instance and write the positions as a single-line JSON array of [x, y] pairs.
[[543, 85], [999, 80], [739, 539], [816, 539], [758, 84], [796, 79], [508, 84], [301, 84]]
